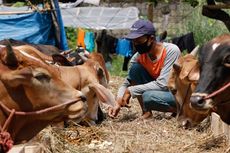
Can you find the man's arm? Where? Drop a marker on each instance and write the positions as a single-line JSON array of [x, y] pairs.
[[126, 82]]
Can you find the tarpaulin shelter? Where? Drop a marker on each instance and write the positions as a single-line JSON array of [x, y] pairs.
[[100, 17], [37, 26]]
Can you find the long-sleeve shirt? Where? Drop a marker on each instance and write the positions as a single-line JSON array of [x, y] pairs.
[[172, 54]]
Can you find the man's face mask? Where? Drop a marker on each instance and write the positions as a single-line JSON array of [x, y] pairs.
[[143, 48]]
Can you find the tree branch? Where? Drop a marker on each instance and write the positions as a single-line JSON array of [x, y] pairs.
[[217, 14]]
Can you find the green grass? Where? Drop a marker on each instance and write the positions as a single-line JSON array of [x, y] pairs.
[[116, 69], [71, 34]]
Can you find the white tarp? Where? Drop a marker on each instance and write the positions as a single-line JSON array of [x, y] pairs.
[[77, 2], [100, 17], [94, 2]]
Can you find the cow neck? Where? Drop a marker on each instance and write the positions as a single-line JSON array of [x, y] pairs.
[[77, 68], [6, 141], [80, 87], [12, 112]]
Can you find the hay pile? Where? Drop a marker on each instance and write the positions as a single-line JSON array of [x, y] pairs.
[[126, 134]]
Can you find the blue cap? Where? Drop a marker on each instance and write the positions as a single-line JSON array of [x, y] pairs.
[[140, 28]]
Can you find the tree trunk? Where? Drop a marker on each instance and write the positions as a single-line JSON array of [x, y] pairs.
[[150, 12]]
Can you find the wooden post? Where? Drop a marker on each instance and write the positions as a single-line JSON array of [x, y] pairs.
[[218, 127], [150, 12]]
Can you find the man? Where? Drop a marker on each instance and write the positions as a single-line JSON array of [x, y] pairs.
[[148, 73]]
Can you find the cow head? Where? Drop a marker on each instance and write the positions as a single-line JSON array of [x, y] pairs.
[[182, 82], [95, 86], [214, 74], [94, 63], [92, 79], [28, 84]]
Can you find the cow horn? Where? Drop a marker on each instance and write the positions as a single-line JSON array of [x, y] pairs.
[[195, 50], [11, 59]]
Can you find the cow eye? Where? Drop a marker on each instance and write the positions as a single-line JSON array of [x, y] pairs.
[[42, 77], [226, 61]]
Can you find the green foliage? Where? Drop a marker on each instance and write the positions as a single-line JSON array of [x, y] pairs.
[[203, 27], [19, 4], [116, 69], [71, 34]]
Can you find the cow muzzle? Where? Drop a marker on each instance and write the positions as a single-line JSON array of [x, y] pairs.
[[78, 109], [199, 103], [186, 124]]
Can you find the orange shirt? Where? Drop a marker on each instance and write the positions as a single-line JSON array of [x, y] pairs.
[[152, 67], [80, 38]]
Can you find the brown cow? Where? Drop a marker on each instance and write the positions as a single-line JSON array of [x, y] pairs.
[[36, 92], [46, 49], [182, 82], [91, 78]]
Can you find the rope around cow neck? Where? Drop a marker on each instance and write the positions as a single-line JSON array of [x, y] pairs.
[[217, 91], [38, 112], [6, 142]]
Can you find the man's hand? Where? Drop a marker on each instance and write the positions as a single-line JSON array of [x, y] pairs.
[[121, 102], [113, 111]]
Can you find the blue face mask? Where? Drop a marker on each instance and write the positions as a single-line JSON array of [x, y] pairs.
[[143, 48]]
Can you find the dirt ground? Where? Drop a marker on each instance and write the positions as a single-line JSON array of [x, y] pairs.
[[125, 134]]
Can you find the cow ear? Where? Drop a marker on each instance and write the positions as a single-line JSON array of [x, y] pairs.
[[103, 94], [60, 59], [187, 68], [194, 74], [226, 61], [102, 77]]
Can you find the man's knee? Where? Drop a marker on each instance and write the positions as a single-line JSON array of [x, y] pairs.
[[134, 70], [157, 100]]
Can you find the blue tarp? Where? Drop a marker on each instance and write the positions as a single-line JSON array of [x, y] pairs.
[[34, 28]]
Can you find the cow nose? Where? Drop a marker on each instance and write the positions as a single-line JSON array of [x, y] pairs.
[[197, 101], [186, 124], [83, 98]]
